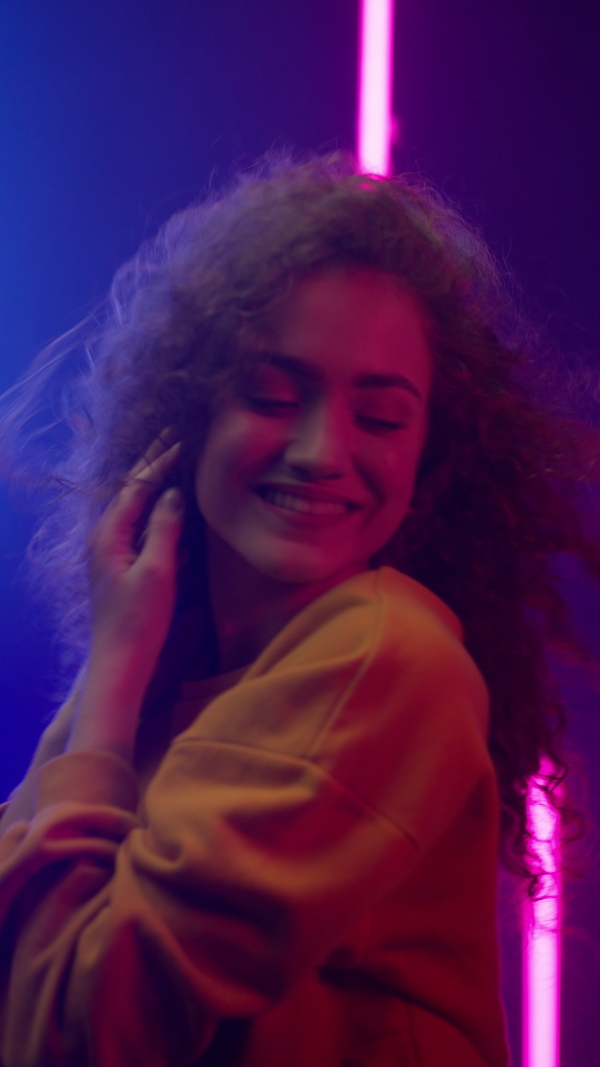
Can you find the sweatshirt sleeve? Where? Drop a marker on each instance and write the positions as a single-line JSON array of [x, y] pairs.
[[294, 803]]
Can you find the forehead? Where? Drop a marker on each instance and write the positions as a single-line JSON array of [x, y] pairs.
[[352, 323]]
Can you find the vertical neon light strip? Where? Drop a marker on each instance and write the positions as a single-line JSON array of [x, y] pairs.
[[375, 122], [541, 955]]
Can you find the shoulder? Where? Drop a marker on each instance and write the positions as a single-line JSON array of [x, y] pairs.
[[361, 606], [423, 638], [394, 632], [411, 732]]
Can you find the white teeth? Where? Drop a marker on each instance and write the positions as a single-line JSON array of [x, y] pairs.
[[300, 503]]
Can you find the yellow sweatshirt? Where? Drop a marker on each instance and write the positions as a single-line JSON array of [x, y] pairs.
[[308, 879]]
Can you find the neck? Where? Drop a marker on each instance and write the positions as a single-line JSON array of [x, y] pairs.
[[248, 607]]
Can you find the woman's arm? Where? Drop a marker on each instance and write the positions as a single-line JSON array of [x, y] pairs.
[[132, 605], [289, 808]]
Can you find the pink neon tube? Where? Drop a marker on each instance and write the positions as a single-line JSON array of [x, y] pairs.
[[541, 956], [375, 123]]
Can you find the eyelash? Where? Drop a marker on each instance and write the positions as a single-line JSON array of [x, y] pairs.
[[379, 425], [266, 406]]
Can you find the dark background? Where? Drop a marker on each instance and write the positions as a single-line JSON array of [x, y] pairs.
[[115, 113]]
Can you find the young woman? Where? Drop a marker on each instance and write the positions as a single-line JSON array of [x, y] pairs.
[[303, 526]]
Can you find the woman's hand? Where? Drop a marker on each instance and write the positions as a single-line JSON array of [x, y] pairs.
[[133, 598]]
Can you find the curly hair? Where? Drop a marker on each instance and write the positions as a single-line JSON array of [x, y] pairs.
[[497, 494]]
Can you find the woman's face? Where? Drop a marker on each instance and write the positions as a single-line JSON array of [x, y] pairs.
[[310, 461]]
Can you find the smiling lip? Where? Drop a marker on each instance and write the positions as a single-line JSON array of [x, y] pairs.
[[306, 500]]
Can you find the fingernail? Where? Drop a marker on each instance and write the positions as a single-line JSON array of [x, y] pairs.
[[173, 499]]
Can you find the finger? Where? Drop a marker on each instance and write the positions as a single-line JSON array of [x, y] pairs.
[[161, 444], [163, 531], [114, 539], [112, 542], [154, 470]]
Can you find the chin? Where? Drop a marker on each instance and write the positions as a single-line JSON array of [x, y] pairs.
[[303, 571]]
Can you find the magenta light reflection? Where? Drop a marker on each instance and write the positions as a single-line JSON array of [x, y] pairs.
[[375, 122], [541, 956]]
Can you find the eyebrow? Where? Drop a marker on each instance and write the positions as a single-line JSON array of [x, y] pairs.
[[370, 380], [385, 381]]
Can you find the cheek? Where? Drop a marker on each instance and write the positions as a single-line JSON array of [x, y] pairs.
[[392, 470], [217, 457], [258, 441], [237, 450]]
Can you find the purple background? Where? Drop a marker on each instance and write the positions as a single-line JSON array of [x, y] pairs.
[[114, 114]]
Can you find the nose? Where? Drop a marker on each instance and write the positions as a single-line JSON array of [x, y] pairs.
[[319, 446]]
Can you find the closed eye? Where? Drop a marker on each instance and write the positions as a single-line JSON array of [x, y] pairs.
[[271, 406], [375, 425]]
